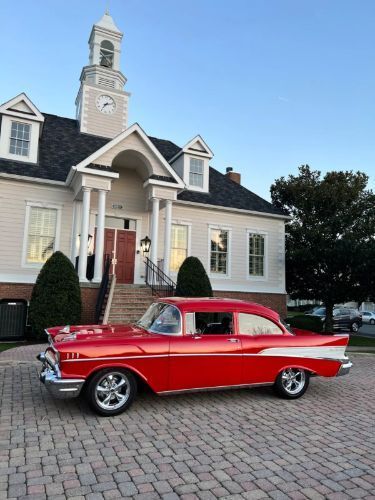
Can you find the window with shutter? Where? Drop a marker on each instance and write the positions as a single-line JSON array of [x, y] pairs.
[[41, 234]]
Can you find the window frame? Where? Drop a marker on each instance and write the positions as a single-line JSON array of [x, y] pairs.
[[249, 276], [213, 274], [28, 141], [56, 246]]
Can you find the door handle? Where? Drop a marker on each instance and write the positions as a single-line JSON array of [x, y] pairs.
[[232, 340]]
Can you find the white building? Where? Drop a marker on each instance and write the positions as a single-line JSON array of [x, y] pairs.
[[99, 180]]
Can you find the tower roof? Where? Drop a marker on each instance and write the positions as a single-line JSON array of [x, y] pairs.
[[107, 23]]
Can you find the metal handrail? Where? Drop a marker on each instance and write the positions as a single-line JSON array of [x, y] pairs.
[[159, 282], [103, 289]]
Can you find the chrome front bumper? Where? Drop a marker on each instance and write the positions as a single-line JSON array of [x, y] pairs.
[[344, 368], [62, 388]]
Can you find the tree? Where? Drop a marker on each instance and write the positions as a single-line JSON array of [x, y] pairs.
[[56, 296], [192, 279], [330, 236]]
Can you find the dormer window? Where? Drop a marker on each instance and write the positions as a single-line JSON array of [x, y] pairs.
[[107, 51], [20, 139], [196, 172]]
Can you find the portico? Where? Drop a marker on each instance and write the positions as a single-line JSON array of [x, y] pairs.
[[118, 197]]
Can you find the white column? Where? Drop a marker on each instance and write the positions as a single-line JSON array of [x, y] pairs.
[[154, 231], [167, 235], [77, 205], [99, 241], [82, 265]]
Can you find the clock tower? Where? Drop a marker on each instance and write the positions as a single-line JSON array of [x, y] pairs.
[[102, 102]]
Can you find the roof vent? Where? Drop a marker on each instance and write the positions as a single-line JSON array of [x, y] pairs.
[[233, 176]]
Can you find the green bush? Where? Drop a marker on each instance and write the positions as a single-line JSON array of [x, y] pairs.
[[312, 323], [192, 279], [56, 296]]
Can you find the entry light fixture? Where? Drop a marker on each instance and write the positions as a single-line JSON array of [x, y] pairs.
[[145, 244]]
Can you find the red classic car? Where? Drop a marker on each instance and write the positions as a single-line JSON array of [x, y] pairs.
[[183, 344]]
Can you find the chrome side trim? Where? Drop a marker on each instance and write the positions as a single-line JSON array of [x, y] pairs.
[[236, 354], [215, 388]]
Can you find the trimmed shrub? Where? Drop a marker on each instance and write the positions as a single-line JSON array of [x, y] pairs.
[[192, 279], [311, 323], [56, 296]]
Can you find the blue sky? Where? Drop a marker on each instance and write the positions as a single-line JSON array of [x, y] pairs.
[[268, 84]]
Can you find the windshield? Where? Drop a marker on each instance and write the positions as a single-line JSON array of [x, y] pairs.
[[161, 318], [320, 312]]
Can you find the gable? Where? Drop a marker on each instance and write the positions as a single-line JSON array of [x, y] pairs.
[[22, 107], [197, 146]]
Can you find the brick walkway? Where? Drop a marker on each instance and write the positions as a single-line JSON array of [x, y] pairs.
[[229, 444]]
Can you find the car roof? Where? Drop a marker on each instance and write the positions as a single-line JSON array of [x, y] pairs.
[[219, 304]]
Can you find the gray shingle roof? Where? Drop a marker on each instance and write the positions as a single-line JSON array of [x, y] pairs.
[[62, 145]]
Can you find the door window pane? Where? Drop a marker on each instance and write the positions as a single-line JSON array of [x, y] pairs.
[[214, 323], [179, 246], [252, 324]]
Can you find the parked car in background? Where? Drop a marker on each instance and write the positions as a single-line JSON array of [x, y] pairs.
[[344, 318], [183, 344], [368, 317]]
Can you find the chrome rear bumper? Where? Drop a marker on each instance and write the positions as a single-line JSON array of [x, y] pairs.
[[344, 368], [62, 388]]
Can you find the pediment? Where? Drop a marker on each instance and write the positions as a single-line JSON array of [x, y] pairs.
[[133, 149], [22, 107], [196, 146]]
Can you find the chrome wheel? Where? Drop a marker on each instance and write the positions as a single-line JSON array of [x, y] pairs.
[[112, 390], [293, 380]]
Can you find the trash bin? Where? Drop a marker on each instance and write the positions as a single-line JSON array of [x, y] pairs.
[[13, 313]]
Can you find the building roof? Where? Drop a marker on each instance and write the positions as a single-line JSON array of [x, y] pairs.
[[62, 145]]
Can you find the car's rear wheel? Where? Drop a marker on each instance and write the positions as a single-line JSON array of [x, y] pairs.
[[111, 391], [354, 327], [292, 383]]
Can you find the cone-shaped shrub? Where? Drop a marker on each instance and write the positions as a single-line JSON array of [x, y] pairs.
[[192, 279], [56, 296]]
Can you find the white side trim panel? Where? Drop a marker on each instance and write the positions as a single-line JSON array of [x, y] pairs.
[[326, 352]]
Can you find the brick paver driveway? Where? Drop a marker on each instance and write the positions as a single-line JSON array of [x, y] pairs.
[[231, 444]]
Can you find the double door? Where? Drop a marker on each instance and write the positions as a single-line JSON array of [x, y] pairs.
[[119, 244]]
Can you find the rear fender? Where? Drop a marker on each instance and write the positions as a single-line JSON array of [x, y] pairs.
[[316, 367]]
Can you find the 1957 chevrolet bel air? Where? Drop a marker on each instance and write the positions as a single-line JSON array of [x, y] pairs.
[[185, 344]]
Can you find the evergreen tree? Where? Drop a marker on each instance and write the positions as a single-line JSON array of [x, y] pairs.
[[192, 279], [56, 296]]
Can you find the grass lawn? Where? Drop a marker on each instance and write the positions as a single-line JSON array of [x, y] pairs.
[[292, 314], [8, 345], [361, 341]]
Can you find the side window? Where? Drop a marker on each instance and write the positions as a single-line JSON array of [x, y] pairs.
[[214, 323], [251, 324]]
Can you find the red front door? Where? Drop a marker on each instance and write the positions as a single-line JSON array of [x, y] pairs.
[[125, 254], [119, 244]]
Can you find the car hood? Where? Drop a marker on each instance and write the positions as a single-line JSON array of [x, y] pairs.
[[96, 332]]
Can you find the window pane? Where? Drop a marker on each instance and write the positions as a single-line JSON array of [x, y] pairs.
[[196, 172], [41, 234], [219, 251], [251, 324], [19, 139], [179, 246], [256, 255], [214, 323]]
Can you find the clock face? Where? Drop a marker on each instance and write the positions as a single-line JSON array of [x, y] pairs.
[[105, 104]]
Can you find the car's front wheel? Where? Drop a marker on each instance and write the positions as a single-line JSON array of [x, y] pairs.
[[111, 391], [372, 321], [354, 327], [292, 383]]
